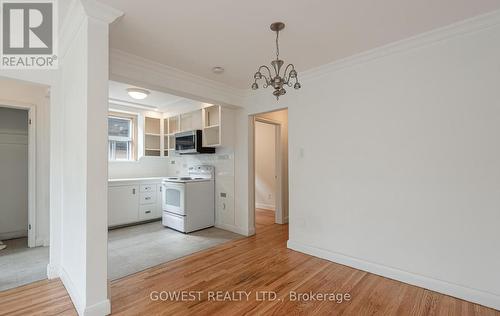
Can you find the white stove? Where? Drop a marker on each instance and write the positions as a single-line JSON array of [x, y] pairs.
[[188, 202]]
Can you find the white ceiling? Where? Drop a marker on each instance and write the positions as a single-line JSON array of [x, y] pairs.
[[194, 36], [156, 101]]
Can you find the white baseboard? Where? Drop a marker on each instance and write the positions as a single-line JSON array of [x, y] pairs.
[[14, 234], [73, 292], [99, 309], [462, 292], [52, 271], [235, 229], [42, 243], [270, 207]]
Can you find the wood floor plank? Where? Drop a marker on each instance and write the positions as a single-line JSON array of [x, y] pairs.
[[258, 263]]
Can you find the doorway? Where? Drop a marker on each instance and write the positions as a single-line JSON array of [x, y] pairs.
[[23, 262], [17, 213], [270, 172], [24, 179]]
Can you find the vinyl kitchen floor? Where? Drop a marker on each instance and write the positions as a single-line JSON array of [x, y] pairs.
[[21, 265], [135, 248]]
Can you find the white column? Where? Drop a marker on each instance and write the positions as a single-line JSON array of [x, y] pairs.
[[83, 98]]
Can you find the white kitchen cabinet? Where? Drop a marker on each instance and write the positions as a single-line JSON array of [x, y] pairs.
[[133, 200], [123, 204]]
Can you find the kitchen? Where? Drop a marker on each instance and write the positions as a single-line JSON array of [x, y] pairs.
[[171, 177]]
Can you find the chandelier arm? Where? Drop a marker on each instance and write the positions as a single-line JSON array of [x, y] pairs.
[[268, 70], [285, 77]]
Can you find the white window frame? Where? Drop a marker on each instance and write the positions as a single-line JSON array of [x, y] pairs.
[[132, 139]]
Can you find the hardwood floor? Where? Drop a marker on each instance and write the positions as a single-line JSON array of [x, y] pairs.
[[263, 218], [258, 263]]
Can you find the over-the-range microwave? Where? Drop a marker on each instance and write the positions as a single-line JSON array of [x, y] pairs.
[[191, 142]]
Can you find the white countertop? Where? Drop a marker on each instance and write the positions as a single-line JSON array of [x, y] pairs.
[[137, 179]]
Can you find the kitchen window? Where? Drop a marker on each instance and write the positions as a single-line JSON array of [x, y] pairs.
[[121, 137]]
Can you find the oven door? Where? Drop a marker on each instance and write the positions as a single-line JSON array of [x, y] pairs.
[[173, 197], [185, 142]]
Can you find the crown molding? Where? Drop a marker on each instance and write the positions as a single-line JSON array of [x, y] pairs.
[[132, 104], [100, 11], [463, 27], [138, 70], [77, 11]]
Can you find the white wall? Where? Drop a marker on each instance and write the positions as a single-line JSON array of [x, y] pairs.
[[142, 168], [14, 171], [395, 163], [17, 91], [265, 166]]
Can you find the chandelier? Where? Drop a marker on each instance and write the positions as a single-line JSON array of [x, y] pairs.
[[277, 81]]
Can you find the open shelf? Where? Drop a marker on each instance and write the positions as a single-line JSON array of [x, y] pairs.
[[152, 152], [152, 126], [212, 126], [211, 137], [152, 136], [211, 116], [173, 124]]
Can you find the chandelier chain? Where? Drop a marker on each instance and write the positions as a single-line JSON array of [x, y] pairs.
[[277, 45]]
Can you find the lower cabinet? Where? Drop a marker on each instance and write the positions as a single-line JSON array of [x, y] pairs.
[[130, 203]]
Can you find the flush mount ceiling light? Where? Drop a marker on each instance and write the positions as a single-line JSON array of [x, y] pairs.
[[277, 81], [138, 93]]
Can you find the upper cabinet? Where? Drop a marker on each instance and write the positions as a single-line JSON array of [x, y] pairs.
[[159, 133], [152, 136], [212, 122]]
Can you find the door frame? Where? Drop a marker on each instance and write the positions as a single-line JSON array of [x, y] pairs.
[[279, 216], [31, 108]]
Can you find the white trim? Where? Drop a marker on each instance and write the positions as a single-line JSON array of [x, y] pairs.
[[100, 11], [52, 271], [71, 24], [424, 39], [31, 108], [72, 290], [98, 309], [75, 16], [12, 235], [132, 104], [269, 207], [455, 290], [42, 242], [278, 208], [136, 70], [235, 229]]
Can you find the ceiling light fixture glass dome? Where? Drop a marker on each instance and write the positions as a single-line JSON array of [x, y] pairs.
[[138, 93]]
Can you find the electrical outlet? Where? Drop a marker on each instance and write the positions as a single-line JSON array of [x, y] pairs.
[[222, 201]]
